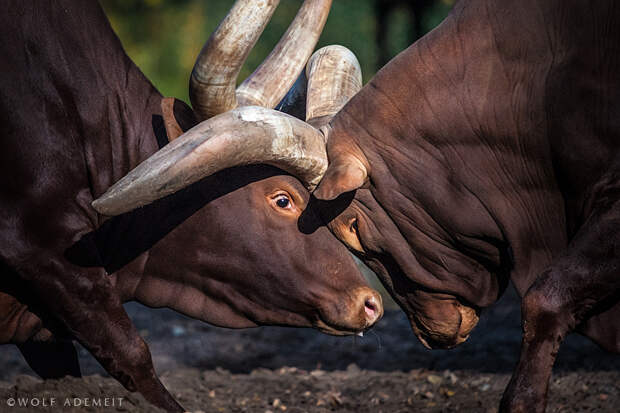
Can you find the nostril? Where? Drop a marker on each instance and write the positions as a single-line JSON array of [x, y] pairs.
[[365, 309], [370, 306]]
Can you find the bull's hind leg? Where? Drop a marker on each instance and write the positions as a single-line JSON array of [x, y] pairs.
[[581, 283], [51, 359]]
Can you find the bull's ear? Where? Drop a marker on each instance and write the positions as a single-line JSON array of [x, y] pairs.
[[344, 174], [178, 117]]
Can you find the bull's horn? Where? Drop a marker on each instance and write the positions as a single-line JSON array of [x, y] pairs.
[[212, 83], [213, 80], [334, 77], [275, 76], [243, 136]]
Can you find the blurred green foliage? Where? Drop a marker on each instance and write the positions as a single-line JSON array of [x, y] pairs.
[[163, 37]]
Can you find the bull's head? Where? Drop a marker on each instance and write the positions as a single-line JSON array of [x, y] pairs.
[[241, 259], [392, 197], [403, 244]]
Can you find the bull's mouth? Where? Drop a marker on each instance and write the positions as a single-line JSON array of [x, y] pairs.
[[436, 333]]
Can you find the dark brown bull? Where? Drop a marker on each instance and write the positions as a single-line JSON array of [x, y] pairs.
[[77, 115], [489, 151]]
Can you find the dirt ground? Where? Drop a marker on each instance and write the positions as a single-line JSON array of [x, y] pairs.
[[278, 369]]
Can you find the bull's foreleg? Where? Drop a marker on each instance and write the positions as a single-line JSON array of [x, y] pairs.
[[51, 359], [578, 285], [86, 303]]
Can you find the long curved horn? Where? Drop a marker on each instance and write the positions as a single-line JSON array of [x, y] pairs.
[[243, 136], [213, 79], [334, 76], [212, 83], [275, 76]]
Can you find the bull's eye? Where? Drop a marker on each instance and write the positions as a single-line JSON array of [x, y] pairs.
[[282, 201], [352, 236], [353, 226]]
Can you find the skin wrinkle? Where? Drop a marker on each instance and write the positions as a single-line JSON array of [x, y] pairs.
[[384, 235], [488, 146], [453, 85], [434, 237], [435, 65], [498, 224], [431, 273], [229, 298], [385, 97], [523, 202], [413, 254], [402, 235], [436, 153], [495, 35], [464, 277], [473, 119], [394, 153], [413, 202], [458, 16], [481, 136], [523, 149], [420, 87], [437, 259]]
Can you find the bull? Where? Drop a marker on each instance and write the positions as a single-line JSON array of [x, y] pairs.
[[78, 115], [486, 152]]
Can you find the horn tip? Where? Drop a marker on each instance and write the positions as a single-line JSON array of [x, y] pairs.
[[103, 207]]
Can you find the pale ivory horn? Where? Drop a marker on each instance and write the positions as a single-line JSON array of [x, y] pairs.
[[243, 136], [213, 80]]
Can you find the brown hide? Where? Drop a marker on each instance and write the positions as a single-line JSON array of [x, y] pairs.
[[483, 148]]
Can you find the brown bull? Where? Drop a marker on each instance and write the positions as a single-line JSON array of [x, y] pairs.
[[489, 151], [78, 115]]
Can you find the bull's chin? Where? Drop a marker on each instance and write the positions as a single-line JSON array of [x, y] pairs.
[[319, 323], [440, 338], [325, 328]]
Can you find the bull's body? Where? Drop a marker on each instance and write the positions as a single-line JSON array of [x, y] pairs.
[[78, 115], [70, 129], [492, 148]]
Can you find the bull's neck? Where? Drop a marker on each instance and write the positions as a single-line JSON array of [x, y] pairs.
[[119, 118], [130, 127], [121, 104], [458, 112]]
